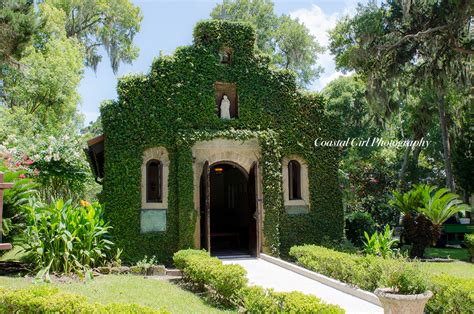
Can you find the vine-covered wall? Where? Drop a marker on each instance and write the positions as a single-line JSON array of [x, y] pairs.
[[174, 106]]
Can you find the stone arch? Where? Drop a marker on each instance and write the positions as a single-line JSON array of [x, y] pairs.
[[160, 154], [218, 150], [299, 205]]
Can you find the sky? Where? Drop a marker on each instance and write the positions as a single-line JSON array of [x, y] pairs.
[[168, 24]]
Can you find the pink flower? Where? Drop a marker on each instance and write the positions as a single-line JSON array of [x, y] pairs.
[[29, 162], [22, 176], [17, 164]]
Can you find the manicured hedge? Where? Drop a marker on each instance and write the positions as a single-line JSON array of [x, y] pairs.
[[200, 268], [451, 294], [230, 284], [43, 299], [258, 300], [174, 106]]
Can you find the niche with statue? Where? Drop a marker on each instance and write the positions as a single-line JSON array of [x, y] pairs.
[[226, 100]]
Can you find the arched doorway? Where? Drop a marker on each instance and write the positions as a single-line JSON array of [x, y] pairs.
[[228, 210]]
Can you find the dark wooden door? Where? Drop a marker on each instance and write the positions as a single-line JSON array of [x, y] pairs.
[[206, 206], [254, 210]]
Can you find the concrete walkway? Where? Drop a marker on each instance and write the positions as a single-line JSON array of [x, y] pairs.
[[268, 275]]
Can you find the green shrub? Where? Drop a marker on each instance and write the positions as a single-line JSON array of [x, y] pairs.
[[469, 242], [451, 295], [229, 282], [227, 279], [356, 223], [66, 237], [203, 270], [255, 299], [380, 243], [259, 300], [407, 279], [180, 257], [199, 270], [42, 299]]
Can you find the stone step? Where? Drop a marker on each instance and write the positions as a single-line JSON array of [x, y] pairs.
[[173, 272]]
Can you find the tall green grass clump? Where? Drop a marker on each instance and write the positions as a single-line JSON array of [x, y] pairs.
[[66, 237]]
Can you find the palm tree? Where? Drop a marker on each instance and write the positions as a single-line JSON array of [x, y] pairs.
[[438, 207], [425, 209]]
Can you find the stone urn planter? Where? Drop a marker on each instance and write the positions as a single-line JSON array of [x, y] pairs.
[[402, 303]]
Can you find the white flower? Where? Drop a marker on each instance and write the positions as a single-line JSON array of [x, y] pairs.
[[47, 158], [36, 157], [56, 156]]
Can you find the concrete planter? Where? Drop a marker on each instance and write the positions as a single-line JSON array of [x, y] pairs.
[[400, 303]]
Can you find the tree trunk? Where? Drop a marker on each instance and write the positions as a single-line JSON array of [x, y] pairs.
[[401, 174], [445, 137]]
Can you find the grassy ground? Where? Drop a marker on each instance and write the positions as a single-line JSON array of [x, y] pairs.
[[459, 268], [158, 294], [456, 269], [454, 253]]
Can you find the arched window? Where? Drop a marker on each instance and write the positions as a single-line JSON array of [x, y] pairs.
[[294, 180], [154, 181]]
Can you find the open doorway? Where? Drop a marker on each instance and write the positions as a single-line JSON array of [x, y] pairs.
[[229, 228]]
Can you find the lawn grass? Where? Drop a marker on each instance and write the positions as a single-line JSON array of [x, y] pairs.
[[454, 253], [456, 269], [460, 268], [158, 294]]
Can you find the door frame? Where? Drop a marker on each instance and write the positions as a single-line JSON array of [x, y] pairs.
[[259, 202]]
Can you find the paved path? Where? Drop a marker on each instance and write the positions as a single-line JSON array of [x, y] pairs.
[[268, 275]]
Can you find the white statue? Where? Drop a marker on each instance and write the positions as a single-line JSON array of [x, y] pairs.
[[225, 108]]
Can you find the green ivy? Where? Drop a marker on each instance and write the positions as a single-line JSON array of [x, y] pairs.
[[174, 106]]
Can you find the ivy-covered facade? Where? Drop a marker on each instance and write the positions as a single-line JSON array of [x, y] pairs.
[[168, 125]]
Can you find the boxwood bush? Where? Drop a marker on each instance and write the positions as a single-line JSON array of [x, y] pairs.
[[206, 271], [450, 294], [258, 300], [42, 299], [229, 282]]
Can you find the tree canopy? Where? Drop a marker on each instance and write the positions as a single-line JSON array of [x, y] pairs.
[[17, 24], [287, 40], [407, 46], [111, 24]]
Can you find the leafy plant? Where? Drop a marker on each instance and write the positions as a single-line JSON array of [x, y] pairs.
[[380, 243], [15, 198], [407, 279], [357, 223], [371, 246], [66, 237], [147, 263], [425, 209], [438, 207]]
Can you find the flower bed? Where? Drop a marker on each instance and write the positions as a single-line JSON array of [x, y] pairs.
[[451, 295], [229, 282]]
